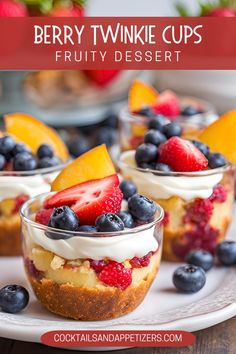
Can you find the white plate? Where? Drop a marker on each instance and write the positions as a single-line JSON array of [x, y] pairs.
[[163, 307]]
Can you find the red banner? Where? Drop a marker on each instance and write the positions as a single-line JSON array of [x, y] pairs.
[[118, 338], [118, 43]]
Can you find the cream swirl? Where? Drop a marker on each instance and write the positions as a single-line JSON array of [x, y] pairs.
[[164, 187]]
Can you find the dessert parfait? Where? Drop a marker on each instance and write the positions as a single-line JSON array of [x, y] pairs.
[[89, 253], [31, 155], [145, 103], [194, 185]]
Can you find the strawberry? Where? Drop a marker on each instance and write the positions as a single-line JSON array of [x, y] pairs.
[[90, 199], [101, 77], [43, 216], [115, 274], [167, 104], [12, 8], [221, 12], [68, 11], [181, 155]]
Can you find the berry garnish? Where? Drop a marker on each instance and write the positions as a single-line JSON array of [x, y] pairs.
[[146, 153], [172, 129], [24, 161], [2, 162], [190, 111], [163, 167], [167, 104], [87, 228], [144, 261], [189, 278], [189, 159], [226, 253], [47, 162], [201, 258], [126, 218], [146, 111], [13, 298], [216, 160], [18, 148], [158, 122], [154, 137], [43, 216], [79, 146], [90, 199], [202, 147], [64, 218], [6, 146], [128, 188], [142, 208], [200, 210], [219, 194], [115, 274], [45, 151], [109, 222]]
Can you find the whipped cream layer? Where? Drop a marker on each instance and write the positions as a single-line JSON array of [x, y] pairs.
[[164, 187], [118, 248], [12, 186]]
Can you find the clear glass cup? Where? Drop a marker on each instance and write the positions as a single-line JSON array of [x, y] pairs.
[[198, 205], [15, 189], [66, 274], [132, 126]]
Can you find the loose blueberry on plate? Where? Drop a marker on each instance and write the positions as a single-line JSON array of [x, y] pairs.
[[146, 153], [172, 129], [79, 146], [190, 111], [64, 218], [226, 252], [216, 160], [109, 222], [87, 228], [48, 162], [202, 147], [158, 122], [154, 137], [45, 151], [127, 219], [189, 278], [201, 258], [13, 298], [128, 188], [142, 208], [163, 167], [6, 145], [106, 136], [2, 162], [24, 161]]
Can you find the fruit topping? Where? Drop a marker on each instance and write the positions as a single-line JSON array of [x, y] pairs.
[[87, 228], [13, 298], [141, 207], [64, 218], [182, 155], [172, 129], [101, 77], [94, 163], [189, 278], [18, 148], [141, 96], [6, 146], [202, 147], [128, 188], [216, 160], [201, 258], [188, 111], [79, 146], [47, 162], [158, 122], [2, 162], [167, 104], [19, 201], [163, 167], [109, 222], [154, 137], [45, 150], [127, 219], [226, 252], [219, 194], [24, 161], [146, 153], [43, 216], [144, 261], [115, 274]]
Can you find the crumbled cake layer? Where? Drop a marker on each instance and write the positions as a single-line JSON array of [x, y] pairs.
[[10, 241]]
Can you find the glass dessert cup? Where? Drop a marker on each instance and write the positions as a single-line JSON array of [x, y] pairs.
[[198, 205], [66, 274], [15, 189], [132, 126]]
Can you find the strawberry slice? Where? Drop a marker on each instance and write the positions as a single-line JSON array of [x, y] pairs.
[[43, 216], [101, 77], [90, 199], [181, 155], [167, 104]]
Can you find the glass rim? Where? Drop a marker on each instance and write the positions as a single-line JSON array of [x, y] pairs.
[[121, 164], [135, 230]]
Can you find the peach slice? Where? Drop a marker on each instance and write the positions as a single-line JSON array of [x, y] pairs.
[[95, 163], [220, 136], [141, 95], [33, 133]]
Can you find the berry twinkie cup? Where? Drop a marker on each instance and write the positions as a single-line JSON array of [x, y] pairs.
[[89, 275]]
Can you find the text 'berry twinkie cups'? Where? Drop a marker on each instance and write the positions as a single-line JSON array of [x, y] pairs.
[[31, 155]]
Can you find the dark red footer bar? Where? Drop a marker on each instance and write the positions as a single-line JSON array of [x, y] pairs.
[[118, 338]]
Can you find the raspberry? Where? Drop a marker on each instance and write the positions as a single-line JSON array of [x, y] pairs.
[[43, 216], [115, 274], [97, 265], [200, 211], [19, 201], [141, 262], [166, 218], [219, 194]]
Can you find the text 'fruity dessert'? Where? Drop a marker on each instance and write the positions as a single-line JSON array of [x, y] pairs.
[[194, 185], [89, 253], [31, 154], [145, 104]]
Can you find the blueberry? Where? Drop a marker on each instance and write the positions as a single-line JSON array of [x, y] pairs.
[[87, 228], [24, 161], [189, 278], [163, 167], [172, 129], [128, 188], [19, 148], [127, 219], [111, 121], [190, 111], [202, 147], [201, 258], [79, 146], [146, 153], [64, 218], [216, 160], [226, 252], [158, 122], [2, 162], [106, 136], [13, 298], [146, 111], [109, 222], [6, 146], [154, 137], [142, 208], [45, 151], [48, 162]]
